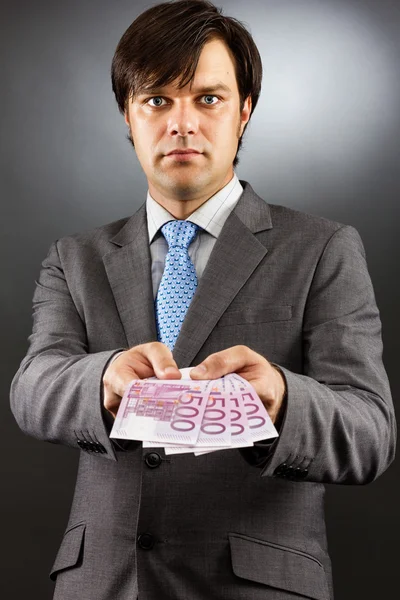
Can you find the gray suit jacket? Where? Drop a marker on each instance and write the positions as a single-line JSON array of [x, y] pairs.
[[237, 524]]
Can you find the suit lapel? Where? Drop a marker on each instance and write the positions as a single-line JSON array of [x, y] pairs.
[[128, 268], [236, 254]]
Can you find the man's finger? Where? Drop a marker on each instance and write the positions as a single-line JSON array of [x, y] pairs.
[[139, 362], [221, 363], [120, 379], [162, 361]]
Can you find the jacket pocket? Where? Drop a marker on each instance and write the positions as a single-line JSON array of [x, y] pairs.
[[278, 566], [258, 315], [70, 551]]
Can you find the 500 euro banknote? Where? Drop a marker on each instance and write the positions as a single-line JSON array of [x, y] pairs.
[[215, 429], [255, 424], [161, 411]]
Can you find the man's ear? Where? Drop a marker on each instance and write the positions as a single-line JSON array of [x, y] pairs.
[[126, 117], [245, 114]]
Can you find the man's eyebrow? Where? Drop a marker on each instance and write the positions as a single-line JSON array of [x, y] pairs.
[[205, 89], [217, 87]]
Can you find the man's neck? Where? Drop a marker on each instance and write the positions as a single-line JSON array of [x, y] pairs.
[[182, 208]]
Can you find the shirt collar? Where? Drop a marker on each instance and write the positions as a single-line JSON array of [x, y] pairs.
[[210, 216]]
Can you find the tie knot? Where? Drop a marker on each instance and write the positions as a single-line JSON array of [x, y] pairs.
[[179, 233]]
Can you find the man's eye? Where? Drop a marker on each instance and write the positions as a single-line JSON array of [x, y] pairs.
[[209, 99], [157, 101]]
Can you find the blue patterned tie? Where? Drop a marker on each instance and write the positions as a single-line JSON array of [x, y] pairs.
[[178, 283]]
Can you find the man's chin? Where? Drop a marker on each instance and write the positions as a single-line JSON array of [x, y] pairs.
[[183, 187]]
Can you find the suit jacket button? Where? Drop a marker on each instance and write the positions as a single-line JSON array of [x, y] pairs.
[[153, 460], [96, 448], [300, 473], [280, 470], [146, 541], [290, 472]]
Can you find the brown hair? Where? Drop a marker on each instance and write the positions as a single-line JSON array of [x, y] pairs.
[[164, 44]]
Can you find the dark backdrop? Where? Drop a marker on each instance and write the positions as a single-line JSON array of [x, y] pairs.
[[324, 139]]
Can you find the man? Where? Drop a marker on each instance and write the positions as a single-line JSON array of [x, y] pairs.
[[280, 297]]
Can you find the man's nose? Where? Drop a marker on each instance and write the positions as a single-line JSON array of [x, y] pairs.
[[183, 120]]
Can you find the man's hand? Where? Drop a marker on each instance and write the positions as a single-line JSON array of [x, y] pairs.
[[139, 362], [264, 377]]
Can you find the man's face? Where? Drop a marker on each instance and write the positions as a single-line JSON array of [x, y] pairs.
[[204, 116]]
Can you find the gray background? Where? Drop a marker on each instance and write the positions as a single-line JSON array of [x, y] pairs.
[[323, 139]]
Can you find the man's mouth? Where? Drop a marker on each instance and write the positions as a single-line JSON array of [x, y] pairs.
[[184, 155], [183, 152]]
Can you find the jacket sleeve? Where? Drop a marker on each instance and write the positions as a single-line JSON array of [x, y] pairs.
[[57, 393], [339, 424]]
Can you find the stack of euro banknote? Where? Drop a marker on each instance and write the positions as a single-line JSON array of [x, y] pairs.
[[187, 415]]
